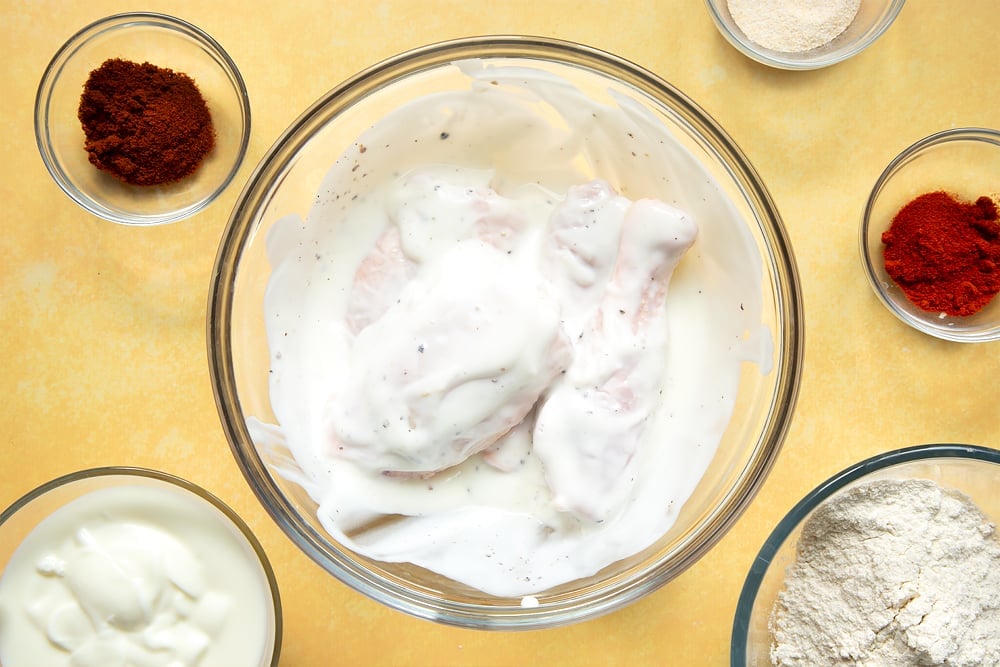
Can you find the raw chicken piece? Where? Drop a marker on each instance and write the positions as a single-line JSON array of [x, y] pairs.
[[577, 258], [513, 449], [435, 210], [589, 427], [441, 375], [427, 215], [580, 247], [378, 281]]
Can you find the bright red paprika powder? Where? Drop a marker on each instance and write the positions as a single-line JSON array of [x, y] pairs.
[[944, 253]]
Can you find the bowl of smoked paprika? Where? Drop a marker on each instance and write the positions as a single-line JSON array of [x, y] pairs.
[[930, 235], [142, 118]]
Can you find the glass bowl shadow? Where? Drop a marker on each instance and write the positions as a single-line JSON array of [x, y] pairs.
[[164, 41], [969, 469], [287, 180]]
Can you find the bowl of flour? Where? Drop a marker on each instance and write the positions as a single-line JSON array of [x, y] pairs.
[[802, 34], [893, 561]]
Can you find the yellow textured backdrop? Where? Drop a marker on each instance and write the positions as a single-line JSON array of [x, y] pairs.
[[103, 335]]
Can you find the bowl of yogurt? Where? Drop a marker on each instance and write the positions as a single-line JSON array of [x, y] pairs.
[[505, 332], [130, 566]]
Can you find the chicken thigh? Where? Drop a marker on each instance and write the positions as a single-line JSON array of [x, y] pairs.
[[590, 425], [443, 374]]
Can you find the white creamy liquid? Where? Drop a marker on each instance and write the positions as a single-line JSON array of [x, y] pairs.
[[510, 519], [134, 576]]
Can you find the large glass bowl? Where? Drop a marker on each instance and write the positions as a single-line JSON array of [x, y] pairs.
[[286, 182], [971, 470]]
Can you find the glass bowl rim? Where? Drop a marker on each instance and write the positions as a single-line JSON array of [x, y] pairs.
[[242, 224], [775, 59], [790, 521], [926, 326], [53, 71], [204, 494]]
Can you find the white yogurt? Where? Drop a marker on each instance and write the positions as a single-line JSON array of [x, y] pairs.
[[538, 182], [139, 576]]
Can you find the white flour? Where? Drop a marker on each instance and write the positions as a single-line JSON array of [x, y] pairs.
[[791, 26], [892, 573]]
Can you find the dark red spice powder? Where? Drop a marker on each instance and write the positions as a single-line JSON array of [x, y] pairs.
[[145, 125], [945, 253]]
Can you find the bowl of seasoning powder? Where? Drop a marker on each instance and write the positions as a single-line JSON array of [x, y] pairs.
[[893, 561], [930, 235], [142, 118], [802, 34]]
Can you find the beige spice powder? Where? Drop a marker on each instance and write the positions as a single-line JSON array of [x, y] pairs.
[[791, 26]]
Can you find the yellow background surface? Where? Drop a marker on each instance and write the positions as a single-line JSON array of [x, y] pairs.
[[102, 327]]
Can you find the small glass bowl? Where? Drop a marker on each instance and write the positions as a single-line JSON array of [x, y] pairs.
[[969, 469], [26, 513], [962, 161], [873, 18], [164, 41]]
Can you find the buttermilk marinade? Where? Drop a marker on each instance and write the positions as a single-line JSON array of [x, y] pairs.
[[475, 360]]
